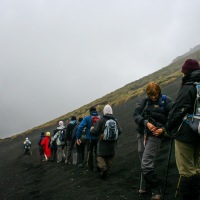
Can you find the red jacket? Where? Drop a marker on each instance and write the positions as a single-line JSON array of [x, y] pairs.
[[45, 145]]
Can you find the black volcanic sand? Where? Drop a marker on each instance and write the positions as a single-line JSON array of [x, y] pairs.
[[25, 177]]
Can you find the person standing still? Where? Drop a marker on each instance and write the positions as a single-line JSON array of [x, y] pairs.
[[187, 142], [151, 116]]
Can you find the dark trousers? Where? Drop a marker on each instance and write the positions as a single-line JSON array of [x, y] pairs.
[[80, 153], [91, 153]]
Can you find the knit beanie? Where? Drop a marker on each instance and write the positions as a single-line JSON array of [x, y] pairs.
[[107, 110], [190, 65]]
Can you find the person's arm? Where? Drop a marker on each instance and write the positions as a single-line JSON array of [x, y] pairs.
[[139, 111], [182, 106], [79, 131]]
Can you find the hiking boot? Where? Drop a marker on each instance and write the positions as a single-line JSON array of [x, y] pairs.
[[156, 197]]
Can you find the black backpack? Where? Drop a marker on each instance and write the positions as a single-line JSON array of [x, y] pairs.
[[69, 131], [62, 135]]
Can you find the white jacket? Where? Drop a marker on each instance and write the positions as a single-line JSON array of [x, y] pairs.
[[56, 136]]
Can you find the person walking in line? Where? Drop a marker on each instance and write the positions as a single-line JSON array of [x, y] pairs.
[[27, 146], [106, 146], [81, 147], [46, 147], [41, 151], [151, 115], [91, 141], [187, 142], [69, 142], [53, 146], [60, 141]]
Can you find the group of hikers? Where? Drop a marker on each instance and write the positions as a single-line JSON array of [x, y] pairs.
[[99, 134], [156, 115]]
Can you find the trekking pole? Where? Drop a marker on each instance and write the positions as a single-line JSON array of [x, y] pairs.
[[141, 175], [88, 153], [169, 156], [177, 188]]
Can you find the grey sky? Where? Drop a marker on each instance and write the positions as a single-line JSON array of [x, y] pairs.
[[59, 55]]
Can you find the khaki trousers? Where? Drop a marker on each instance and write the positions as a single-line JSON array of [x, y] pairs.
[[187, 158]]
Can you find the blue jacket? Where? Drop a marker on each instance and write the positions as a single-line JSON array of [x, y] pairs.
[[86, 122]]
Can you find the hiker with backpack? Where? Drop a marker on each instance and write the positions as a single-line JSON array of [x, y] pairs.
[[81, 147], [27, 146], [91, 141], [41, 151], [107, 130], [151, 115], [46, 147], [185, 111], [53, 146], [68, 140], [59, 137]]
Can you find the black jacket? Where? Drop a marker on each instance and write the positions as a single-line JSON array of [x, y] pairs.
[[184, 104], [153, 112], [104, 148]]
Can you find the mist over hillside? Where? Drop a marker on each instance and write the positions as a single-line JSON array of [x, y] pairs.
[[25, 177], [134, 89]]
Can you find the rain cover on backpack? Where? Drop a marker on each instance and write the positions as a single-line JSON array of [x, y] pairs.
[[110, 131]]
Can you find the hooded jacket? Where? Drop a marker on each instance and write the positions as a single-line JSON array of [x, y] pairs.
[[56, 136], [184, 104], [46, 147]]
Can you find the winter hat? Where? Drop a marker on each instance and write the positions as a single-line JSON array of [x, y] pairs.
[[73, 118], [190, 65], [107, 110], [48, 134], [61, 123]]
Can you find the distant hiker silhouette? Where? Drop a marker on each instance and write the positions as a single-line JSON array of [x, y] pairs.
[[151, 115], [27, 147], [59, 142], [46, 147], [91, 141], [70, 141], [80, 147], [40, 148]]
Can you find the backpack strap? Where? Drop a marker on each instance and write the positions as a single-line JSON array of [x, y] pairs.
[[163, 101]]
